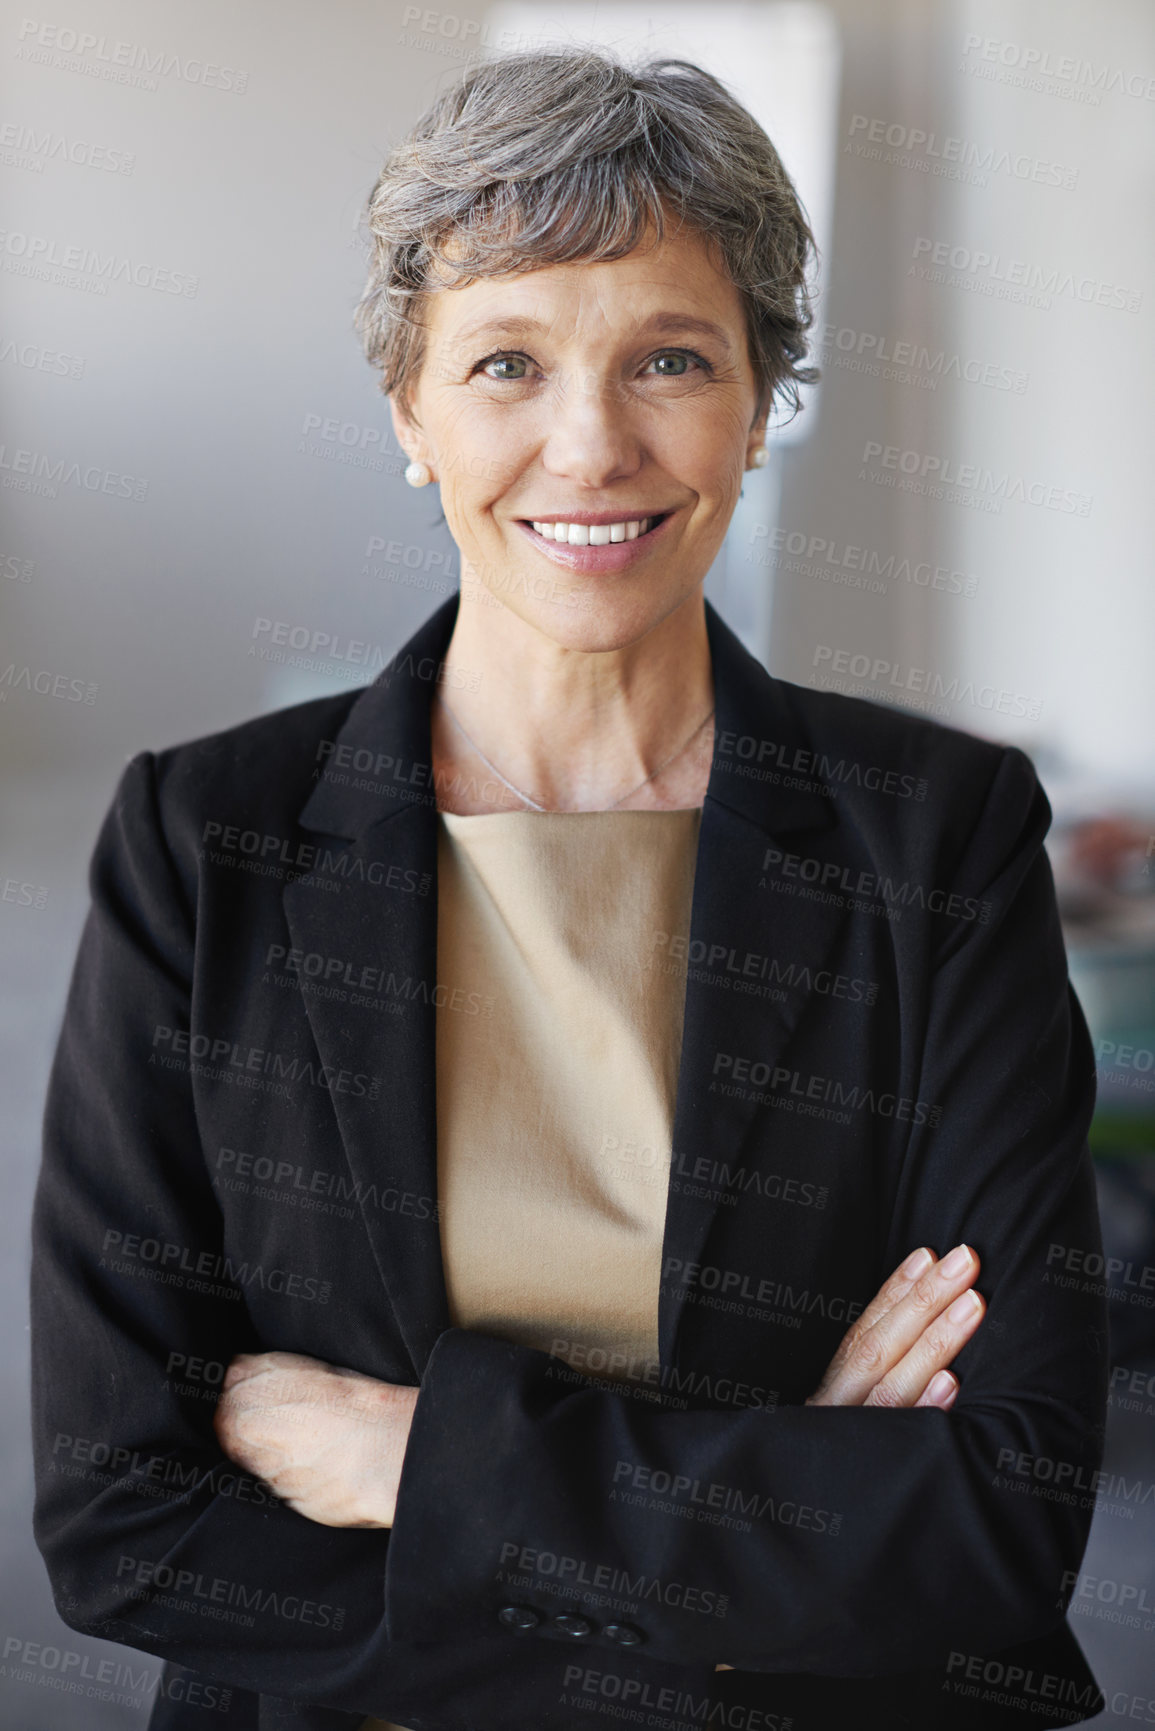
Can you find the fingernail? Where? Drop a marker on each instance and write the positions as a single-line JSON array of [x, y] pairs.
[[917, 1263], [941, 1388], [957, 1262], [964, 1308]]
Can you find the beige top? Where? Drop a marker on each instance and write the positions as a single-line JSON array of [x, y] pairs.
[[558, 1047]]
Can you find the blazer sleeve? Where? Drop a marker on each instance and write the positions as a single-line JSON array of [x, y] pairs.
[[880, 1539], [150, 1535]]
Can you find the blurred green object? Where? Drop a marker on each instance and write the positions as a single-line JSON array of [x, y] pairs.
[[1121, 1136], [1114, 980]]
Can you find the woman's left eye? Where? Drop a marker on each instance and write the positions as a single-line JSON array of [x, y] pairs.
[[505, 360], [679, 355]]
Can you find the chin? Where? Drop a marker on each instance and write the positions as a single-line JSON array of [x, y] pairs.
[[598, 621]]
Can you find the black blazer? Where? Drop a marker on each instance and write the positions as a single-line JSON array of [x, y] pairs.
[[881, 1050]]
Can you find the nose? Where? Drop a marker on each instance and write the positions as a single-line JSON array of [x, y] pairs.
[[590, 436]]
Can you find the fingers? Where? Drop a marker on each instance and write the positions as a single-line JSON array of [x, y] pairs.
[[920, 1377], [883, 1301], [940, 1391], [872, 1358]]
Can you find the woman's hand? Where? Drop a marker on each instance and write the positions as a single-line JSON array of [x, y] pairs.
[[330, 1442], [897, 1351]]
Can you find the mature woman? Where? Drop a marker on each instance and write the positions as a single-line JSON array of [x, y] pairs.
[[528, 1138]]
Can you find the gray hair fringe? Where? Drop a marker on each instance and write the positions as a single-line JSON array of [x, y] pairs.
[[567, 154]]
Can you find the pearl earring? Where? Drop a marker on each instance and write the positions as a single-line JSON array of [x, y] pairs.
[[759, 457], [418, 474]]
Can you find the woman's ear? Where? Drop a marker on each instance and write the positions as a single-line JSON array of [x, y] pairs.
[[407, 432]]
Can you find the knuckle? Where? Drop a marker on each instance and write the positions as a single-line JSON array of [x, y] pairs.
[[925, 1294], [885, 1394], [940, 1344], [868, 1354]]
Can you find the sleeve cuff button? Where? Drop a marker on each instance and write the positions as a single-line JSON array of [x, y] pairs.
[[577, 1627], [518, 1617], [624, 1634]]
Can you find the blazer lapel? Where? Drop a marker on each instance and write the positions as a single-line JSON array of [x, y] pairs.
[[379, 937], [745, 812]]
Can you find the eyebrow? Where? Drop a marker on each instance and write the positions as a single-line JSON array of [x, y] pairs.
[[661, 324]]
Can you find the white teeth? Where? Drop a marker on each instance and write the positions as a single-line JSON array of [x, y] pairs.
[[594, 534]]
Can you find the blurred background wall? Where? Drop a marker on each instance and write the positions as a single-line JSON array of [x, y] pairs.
[[193, 448]]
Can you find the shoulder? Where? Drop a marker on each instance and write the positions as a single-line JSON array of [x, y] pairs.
[[891, 773], [251, 780]]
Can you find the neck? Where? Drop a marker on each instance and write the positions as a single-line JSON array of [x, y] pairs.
[[573, 728]]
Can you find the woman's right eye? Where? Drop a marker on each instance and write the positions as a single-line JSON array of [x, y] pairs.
[[504, 360]]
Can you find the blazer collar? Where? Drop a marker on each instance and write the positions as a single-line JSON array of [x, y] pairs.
[[381, 759]]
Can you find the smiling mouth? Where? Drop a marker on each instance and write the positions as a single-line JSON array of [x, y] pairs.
[[596, 534]]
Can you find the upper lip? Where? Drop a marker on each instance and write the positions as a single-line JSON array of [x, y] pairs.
[[591, 517]]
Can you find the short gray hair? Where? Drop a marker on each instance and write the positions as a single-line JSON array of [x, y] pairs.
[[567, 154]]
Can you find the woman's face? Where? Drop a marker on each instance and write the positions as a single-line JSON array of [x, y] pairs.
[[622, 391]]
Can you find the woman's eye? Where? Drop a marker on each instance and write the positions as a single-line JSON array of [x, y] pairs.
[[683, 355], [505, 361]]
